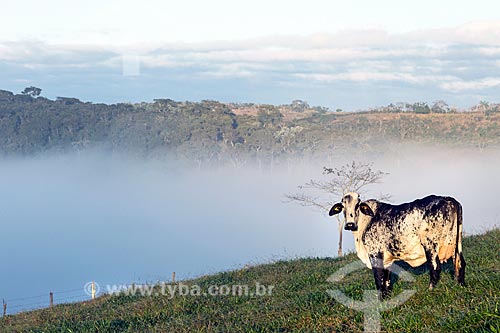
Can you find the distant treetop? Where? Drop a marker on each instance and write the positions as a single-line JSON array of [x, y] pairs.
[[32, 91]]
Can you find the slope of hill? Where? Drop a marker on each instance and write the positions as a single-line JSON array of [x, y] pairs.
[[298, 301], [212, 131]]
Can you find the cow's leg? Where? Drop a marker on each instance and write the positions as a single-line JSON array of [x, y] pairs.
[[459, 257], [460, 268], [434, 267], [379, 273], [387, 280]]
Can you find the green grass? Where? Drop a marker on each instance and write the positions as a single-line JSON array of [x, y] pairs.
[[299, 302]]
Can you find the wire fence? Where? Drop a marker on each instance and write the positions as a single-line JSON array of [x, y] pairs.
[[40, 301], [28, 303]]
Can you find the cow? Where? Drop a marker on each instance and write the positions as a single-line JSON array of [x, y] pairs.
[[425, 230]]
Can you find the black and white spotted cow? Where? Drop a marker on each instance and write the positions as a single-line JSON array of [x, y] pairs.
[[425, 230]]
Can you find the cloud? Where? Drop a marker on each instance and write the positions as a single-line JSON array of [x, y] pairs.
[[475, 85], [441, 62], [489, 51], [377, 77], [230, 71]]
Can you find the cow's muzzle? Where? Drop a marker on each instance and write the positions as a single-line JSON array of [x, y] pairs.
[[351, 226]]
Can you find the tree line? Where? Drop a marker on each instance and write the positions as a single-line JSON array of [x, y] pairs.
[[210, 132]]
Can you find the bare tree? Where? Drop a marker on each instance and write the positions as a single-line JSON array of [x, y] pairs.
[[351, 177]]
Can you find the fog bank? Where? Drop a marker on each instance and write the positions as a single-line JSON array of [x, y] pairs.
[[70, 219]]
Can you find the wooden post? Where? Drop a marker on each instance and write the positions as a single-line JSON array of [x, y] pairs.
[[51, 299], [93, 289], [4, 307], [173, 277]]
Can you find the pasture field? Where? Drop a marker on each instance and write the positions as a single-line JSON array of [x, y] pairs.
[[299, 301]]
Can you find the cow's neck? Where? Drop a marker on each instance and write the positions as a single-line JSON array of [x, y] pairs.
[[363, 221], [358, 234]]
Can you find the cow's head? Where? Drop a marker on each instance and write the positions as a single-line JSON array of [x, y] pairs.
[[352, 206]]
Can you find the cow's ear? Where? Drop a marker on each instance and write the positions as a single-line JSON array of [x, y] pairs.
[[337, 208], [365, 209]]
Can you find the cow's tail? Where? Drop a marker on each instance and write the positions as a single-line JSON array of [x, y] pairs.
[[459, 261]]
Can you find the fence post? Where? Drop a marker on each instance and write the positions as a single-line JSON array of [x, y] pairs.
[[51, 299], [173, 277], [4, 307], [93, 290]]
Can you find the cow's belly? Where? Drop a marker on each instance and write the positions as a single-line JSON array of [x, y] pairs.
[[415, 258], [413, 253]]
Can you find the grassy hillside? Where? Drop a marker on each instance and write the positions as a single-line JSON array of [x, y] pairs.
[[298, 303]]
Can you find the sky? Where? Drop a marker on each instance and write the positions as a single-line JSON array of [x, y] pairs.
[[339, 54]]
